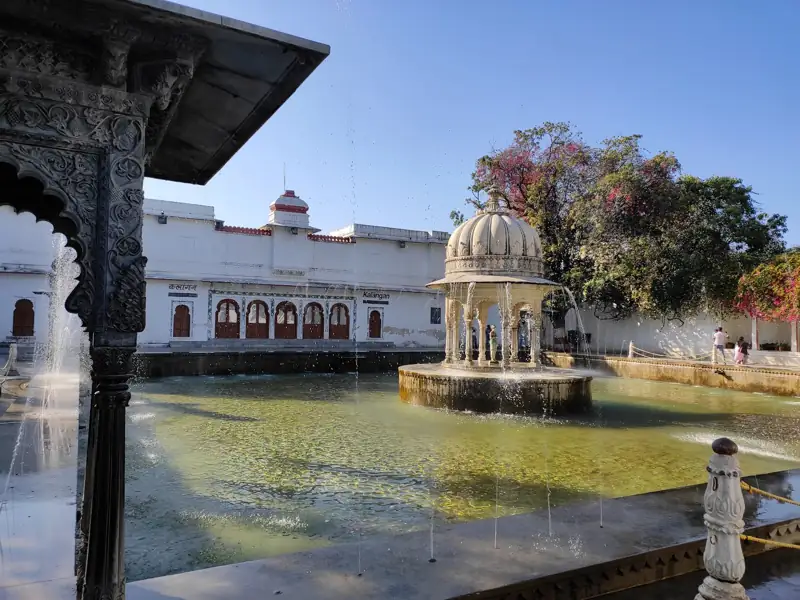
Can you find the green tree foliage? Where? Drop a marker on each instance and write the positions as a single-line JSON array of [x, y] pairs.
[[626, 231]]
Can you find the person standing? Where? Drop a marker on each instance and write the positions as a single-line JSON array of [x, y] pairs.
[[741, 351], [720, 337]]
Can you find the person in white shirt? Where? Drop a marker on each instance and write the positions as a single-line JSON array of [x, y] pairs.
[[720, 337]]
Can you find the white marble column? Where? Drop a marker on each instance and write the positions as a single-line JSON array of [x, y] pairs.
[[724, 504], [448, 331], [505, 340], [482, 318], [469, 315], [535, 336], [514, 340], [243, 319], [793, 325], [754, 333]]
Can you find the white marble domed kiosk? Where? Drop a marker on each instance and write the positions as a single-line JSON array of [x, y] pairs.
[[494, 258]]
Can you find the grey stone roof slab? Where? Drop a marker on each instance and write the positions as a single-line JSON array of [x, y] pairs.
[[245, 76]]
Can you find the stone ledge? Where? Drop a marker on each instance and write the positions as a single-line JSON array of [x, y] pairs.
[[766, 380]]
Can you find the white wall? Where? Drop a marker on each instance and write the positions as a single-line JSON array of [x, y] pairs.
[[27, 250], [162, 297], [673, 338], [406, 317], [25, 245], [189, 247], [19, 286]]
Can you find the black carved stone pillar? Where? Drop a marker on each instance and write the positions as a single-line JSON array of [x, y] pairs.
[[104, 575], [87, 444]]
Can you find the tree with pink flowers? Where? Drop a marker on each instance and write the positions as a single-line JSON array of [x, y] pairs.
[[626, 230]]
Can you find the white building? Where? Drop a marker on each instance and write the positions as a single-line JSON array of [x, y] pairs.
[[211, 285], [214, 285]]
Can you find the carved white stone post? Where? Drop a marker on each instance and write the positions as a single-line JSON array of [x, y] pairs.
[[724, 505], [447, 336], [630, 349], [535, 336], [10, 368], [514, 339], [482, 316], [469, 315], [505, 339]]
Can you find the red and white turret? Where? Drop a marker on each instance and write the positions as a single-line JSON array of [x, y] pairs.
[[289, 211]]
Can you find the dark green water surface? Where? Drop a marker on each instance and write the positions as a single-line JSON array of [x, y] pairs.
[[224, 469]]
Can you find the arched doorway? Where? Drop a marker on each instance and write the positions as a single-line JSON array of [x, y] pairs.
[[375, 324], [257, 320], [181, 322], [227, 320], [313, 322], [339, 323], [286, 321], [23, 319]]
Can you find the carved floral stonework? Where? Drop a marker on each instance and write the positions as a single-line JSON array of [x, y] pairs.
[[98, 177], [71, 177], [74, 94], [29, 53], [497, 263]]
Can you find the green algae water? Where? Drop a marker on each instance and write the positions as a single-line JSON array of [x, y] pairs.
[[227, 469]]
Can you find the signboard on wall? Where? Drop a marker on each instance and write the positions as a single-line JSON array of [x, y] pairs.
[[372, 297], [182, 290]]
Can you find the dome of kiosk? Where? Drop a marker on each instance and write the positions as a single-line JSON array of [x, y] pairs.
[[494, 245]]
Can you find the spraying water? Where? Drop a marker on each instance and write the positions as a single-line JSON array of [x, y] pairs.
[[547, 485], [51, 369], [496, 505], [582, 349]]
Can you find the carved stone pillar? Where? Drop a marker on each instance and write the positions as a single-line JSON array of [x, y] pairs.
[[104, 575], [535, 336], [506, 340], [482, 318], [724, 504], [469, 315], [514, 339], [448, 333], [86, 489]]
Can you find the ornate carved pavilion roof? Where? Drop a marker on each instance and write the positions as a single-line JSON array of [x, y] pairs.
[[214, 81]]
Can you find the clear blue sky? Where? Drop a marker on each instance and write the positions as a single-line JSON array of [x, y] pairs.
[[387, 130]]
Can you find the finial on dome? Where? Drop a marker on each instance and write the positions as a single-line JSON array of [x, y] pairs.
[[493, 204]]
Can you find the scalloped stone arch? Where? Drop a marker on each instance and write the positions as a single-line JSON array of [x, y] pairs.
[[26, 189]]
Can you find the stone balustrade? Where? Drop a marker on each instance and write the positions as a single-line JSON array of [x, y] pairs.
[[724, 512]]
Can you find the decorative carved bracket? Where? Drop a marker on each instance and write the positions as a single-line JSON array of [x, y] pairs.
[[116, 47], [166, 81]]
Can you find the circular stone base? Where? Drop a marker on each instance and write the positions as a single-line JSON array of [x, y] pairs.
[[519, 390]]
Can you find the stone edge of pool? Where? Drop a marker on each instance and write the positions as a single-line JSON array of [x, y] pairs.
[[763, 379], [644, 538], [777, 381]]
